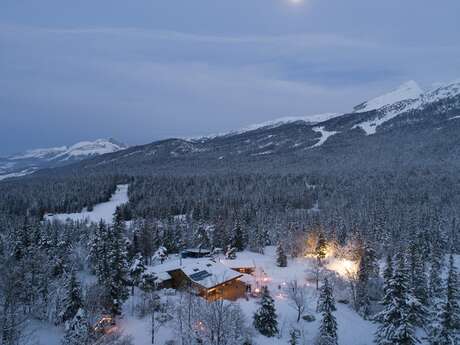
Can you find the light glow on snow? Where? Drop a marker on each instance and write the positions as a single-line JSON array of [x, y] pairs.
[[344, 267]]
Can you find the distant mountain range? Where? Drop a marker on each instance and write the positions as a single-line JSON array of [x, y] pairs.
[[405, 127], [32, 160]]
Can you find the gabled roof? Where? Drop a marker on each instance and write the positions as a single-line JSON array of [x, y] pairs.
[[203, 272]]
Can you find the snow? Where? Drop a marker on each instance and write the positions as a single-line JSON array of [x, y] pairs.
[[352, 329], [104, 211], [408, 90], [218, 273], [24, 172], [403, 100], [311, 119], [90, 148], [324, 135], [451, 89], [39, 153], [81, 149], [42, 333]]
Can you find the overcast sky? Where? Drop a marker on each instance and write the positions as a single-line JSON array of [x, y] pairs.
[[142, 70]]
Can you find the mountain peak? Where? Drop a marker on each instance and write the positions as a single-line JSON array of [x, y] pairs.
[[406, 91]]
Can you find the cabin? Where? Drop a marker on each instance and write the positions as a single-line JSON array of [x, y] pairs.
[[195, 253], [208, 279]]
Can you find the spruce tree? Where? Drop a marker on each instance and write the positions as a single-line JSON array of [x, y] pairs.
[[72, 301], [326, 305], [294, 336], [446, 328], [238, 236], [281, 258], [396, 319], [265, 318], [367, 270], [321, 247], [116, 283], [418, 278], [78, 331]]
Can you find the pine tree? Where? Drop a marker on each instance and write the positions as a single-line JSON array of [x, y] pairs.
[[238, 236], [265, 318], [435, 280], [78, 331], [326, 305], [446, 328], [396, 326], [116, 284], [418, 278], [281, 258], [72, 301], [367, 270], [294, 336], [321, 247]]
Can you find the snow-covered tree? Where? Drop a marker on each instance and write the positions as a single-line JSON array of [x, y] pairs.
[[298, 297], [265, 318], [238, 236], [72, 300], [294, 335], [446, 326], [136, 270], [161, 254], [367, 271], [321, 247], [281, 258], [78, 331], [326, 305], [230, 253], [396, 319]]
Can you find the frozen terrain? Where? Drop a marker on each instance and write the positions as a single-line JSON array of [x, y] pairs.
[[353, 330], [100, 211]]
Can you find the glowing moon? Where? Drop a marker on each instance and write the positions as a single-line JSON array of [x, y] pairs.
[[295, 2]]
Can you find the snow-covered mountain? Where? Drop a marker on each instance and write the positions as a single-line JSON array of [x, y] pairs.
[[417, 124], [311, 119], [32, 160], [407, 91], [408, 97]]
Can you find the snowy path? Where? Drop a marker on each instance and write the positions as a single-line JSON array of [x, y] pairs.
[[100, 211]]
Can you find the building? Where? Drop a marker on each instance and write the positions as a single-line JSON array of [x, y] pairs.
[[195, 253], [242, 266], [208, 279]]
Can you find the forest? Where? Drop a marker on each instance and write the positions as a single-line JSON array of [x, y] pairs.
[[400, 228]]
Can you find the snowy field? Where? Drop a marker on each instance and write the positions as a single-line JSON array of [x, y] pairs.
[[100, 211]]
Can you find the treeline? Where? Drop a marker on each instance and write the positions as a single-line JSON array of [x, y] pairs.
[[36, 196]]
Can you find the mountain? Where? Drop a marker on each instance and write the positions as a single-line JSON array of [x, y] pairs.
[[416, 130], [407, 91], [30, 161]]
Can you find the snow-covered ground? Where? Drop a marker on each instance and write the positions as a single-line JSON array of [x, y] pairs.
[[352, 329], [324, 135], [100, 211]]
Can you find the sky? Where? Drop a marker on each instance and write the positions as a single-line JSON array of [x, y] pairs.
[[143, 70]]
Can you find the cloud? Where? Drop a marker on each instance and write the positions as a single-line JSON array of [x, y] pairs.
[[140, 85]]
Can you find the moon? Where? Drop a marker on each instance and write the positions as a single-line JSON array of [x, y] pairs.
[[296, 2]]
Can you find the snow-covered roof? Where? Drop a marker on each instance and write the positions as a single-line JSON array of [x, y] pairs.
[[239, 263], [204, 272], [197, 250]]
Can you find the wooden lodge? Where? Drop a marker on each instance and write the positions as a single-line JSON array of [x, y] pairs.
[[208, 279]]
